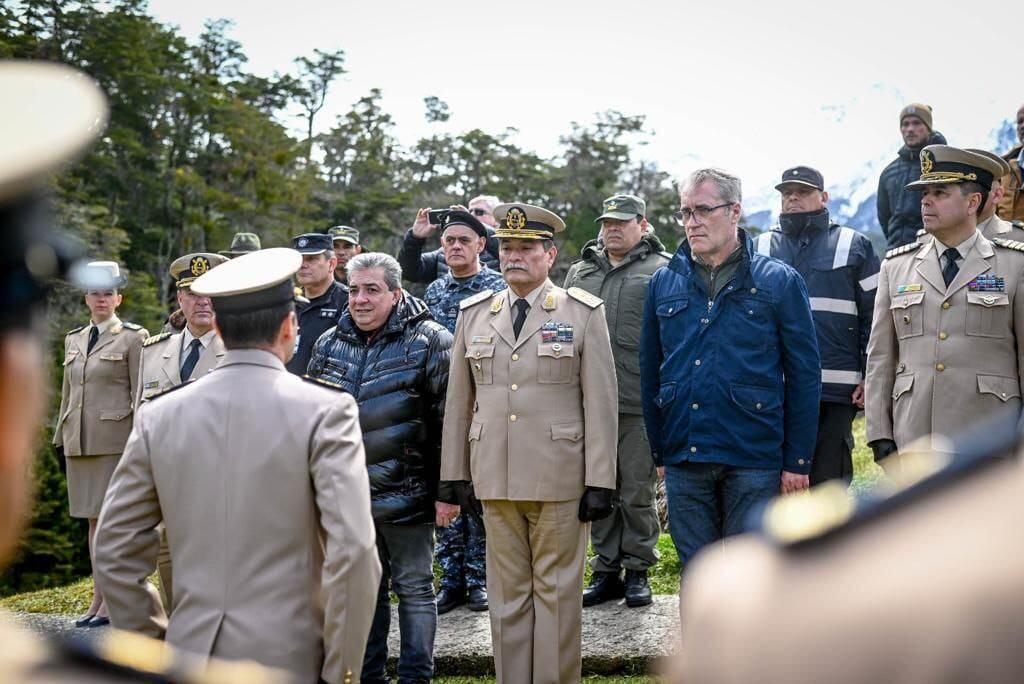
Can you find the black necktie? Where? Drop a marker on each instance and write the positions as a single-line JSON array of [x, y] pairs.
[[522, 307], [94, 335], [951, 269], [191, 359]]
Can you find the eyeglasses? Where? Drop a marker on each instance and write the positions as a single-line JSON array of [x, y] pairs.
[[699, 212], [479, 212]]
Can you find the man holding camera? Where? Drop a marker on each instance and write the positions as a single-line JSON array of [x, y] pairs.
[[418, 267]]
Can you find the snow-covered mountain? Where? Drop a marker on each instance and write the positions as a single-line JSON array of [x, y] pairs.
[[852, 200]]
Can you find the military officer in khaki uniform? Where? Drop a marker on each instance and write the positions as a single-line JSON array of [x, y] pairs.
[[947, 340], [267, 515], [531, 420], [101, 368], [169, 359], [52, 114]]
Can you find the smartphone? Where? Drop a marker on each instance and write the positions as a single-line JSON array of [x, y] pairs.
[[436, 216]]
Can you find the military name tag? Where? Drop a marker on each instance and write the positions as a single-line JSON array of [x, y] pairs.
[[151, 384], [482, 339], [912, 287]]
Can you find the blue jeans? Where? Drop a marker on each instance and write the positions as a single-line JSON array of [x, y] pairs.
[[406, 557], [710, 501]]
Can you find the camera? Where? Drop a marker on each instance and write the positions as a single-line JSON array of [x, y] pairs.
[[436, 217]]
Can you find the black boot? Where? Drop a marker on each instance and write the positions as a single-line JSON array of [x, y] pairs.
[[638, 591], [448, 599], [604, 586], [477, 599]]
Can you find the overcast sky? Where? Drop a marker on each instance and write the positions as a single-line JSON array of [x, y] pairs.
[[751, 87]]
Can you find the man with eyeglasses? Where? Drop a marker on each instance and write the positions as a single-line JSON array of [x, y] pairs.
[[729, 370], [418, 267], [840, 268], [618, 271]]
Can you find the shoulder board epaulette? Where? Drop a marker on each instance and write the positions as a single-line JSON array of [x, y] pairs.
[[582, 295], [905, 249], [131, 326], [1009, 244], [481, 296], [324, 383], [168, 391], [156, 338], [922, 232], [78, 329]]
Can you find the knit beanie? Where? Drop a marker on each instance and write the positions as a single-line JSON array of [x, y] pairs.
[[921, 111]]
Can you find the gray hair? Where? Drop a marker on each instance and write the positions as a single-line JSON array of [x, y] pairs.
[[385, 262], [728, 185], [490, 200]]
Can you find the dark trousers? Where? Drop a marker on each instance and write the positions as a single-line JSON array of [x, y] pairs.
[[461, 552], [406, 557], [833, 452]]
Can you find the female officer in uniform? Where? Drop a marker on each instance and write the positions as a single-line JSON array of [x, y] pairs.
[[101, 368]]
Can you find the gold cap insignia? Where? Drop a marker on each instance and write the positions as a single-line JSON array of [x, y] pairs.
[[516, 219], [926, 161], [611, 206], [199, 266]]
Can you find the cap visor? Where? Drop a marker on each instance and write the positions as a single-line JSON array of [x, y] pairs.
[[310, 251], [617, 215], [340, 238], [797, 182], [922, 184]]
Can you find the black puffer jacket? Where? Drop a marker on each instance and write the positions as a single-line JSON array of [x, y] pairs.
[[399, 380], [418, 267], [899, 209]]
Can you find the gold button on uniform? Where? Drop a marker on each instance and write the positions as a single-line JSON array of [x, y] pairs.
[[513, 418], [946, 305], [940, 367], [514, 387], [943, 335], [515, 357]]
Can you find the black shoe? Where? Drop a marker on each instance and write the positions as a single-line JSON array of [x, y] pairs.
[[84, 620], [604, 586], [478, 599], [448, 599], [98, 621], [638, 591]]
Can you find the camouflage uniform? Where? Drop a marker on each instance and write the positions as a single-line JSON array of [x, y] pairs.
[[461, 546]]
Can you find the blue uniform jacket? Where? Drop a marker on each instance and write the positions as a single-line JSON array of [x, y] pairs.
[[736, 380], [840, 270]]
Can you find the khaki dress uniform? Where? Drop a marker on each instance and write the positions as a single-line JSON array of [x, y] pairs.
[[96, 409], [940, 359], [532, 422], [267, 515]]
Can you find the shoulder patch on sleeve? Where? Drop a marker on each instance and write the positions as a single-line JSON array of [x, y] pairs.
[[78, 329], [1009, 244], [581, 295], [905, 249], [156, 338], [323, 383], [481, 296]]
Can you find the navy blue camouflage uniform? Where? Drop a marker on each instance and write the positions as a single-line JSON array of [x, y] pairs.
[[461, 547]]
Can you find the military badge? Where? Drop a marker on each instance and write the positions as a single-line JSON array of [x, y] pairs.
[[926, 161], [549, 332], [611, 206], [199, 265], [549, 302], [482, 339], [564, 333], [912, 287], [988, 282], [496, 304], [302, 242], [515, 219]]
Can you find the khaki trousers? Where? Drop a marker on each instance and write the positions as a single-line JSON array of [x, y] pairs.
[[535, 556]]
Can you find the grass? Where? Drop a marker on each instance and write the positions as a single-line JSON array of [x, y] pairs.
[[74, 598]]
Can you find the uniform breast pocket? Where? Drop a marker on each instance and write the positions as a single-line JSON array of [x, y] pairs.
[[630, 310], [988, 314], [908, 314], [70, 358], [481, 362], [554, 362]]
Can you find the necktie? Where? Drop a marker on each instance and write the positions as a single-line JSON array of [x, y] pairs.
[[94, 335], [951, 269], [191, 359], [522, 307]]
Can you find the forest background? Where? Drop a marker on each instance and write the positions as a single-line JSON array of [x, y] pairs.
[[198, 148]]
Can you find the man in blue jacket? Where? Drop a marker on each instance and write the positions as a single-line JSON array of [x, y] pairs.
[[840, 269], [729, 370]]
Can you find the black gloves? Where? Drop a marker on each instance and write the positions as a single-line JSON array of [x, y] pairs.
[[596, 504], [882, 448]]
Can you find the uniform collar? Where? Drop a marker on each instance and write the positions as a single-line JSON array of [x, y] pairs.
[[205, 340], [964, 248], [106, 325], [255, 357], [530, 298]]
